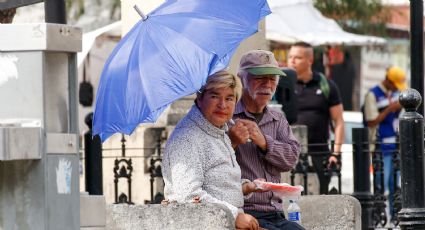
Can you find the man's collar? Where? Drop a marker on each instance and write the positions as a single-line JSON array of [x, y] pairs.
[[315, 78], [383, 88], [240, 108]]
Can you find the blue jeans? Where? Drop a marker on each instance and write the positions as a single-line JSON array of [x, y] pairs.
[[274, 221], [387, 158]]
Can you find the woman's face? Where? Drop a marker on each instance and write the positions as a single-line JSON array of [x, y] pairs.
[[217, 105]]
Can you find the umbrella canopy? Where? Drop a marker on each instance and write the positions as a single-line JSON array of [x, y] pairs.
[[299, 20], [169, 55]]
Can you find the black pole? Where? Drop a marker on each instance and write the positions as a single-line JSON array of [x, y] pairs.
[[417, 48], [55, 11], [361, 174], [93, 160], [412, 214]]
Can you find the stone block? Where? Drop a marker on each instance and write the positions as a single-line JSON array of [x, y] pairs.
[[92, 211], [173, 216], [330, 212], [150, 140], [92, 228], [301, 134], [179, 109]]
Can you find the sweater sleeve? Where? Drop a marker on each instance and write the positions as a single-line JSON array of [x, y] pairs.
[[185, 166]]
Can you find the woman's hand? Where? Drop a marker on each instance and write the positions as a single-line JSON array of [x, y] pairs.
[[238, 133], [246, 221]]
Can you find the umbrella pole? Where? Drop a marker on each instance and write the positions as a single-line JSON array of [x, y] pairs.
[[144, 17]]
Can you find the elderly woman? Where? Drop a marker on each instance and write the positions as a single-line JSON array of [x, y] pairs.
[[199, 161]]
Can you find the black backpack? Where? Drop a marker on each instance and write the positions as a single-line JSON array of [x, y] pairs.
[[285, 95], [324, 85]]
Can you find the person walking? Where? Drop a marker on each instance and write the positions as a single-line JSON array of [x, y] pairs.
[[320, 109]]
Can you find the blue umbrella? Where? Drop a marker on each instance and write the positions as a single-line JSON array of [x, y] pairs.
[[168, 56]]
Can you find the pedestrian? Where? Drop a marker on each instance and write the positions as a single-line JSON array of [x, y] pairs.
[[199, 163], [264, 143], [381, 112], [320, 109]]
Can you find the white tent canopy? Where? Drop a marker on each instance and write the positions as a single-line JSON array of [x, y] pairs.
[[299, 20], [90, 37]]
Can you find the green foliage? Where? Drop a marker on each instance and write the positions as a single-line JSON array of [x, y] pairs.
[[75, 8], [116, 6], [358, 16]]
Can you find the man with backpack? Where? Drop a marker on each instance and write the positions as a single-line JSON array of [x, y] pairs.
[[319, 104], [381, 112]]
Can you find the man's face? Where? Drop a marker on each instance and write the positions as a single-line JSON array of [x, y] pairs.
[[217, 105], [392, 86], [261, 88], [300, 59]]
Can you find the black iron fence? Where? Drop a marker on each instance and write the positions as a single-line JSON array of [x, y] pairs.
[[123, 168], [381, 204]]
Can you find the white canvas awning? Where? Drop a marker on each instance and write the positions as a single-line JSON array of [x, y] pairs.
[[299, 20], [90, 37]]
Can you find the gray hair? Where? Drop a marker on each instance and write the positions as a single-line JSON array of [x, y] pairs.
[[243, 75]]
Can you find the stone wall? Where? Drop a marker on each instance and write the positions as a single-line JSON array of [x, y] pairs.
[[330, 212], [172, 216], [318, 212]]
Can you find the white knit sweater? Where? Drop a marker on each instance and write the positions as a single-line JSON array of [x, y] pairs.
[[199, 161]]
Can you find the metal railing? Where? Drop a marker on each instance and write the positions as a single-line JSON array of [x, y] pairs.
[[123, 168]]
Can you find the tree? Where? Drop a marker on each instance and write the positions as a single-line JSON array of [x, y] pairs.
[[76, 8], [357, 16]]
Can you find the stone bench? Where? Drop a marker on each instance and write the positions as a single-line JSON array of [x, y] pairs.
[[171, 216], [319, 212], [330, 212]]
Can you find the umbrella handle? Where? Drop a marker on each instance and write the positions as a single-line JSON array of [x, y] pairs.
[[144, 17]]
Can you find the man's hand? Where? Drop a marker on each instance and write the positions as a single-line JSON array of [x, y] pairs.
[[238, 133], [333, 160], [255, 134], [246, 221], [394, 106], [250, 187]]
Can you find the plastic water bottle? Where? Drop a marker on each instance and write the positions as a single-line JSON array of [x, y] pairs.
[[294, 212]]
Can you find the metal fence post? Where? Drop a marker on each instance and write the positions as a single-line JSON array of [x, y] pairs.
[[412, 214], [93, 160], [361, 173], [417, 47], [55, 11]]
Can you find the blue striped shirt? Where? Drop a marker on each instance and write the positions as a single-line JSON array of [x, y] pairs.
[[281, 156]]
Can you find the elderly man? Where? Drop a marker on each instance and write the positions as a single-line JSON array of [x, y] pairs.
[[264, 143], [319, 104]]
